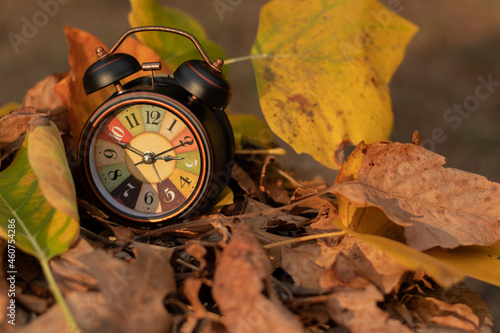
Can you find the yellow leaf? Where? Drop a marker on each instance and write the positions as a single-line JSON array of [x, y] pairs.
[[349, 172], [323, 68], [226, 197], [479, 262]]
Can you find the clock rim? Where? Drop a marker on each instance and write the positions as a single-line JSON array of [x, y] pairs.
[[187, 116]]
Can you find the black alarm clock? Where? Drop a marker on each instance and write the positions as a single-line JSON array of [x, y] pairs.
[[161, 147]]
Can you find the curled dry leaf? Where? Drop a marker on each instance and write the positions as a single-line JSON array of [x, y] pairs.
[[451, 309], [437, 206], [15, 124], [354, 304], [243, 290], [44, 99]]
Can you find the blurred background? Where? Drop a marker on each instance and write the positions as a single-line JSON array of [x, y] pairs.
[[455, 51]]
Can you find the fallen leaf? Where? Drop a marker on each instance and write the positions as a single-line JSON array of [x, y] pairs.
[[354, 306], [15, 124], [129, 297], [38, 208], [44, 99], [38, 194], [226, 197], [453, 309], [191, 290], [262, 221], [172, 48], [322, 70], [437, 206], [480, 262], [243, 290], [70, 273]]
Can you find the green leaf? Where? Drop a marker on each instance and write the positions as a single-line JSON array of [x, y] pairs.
[[252, 129], [39, 195], [38, 210], [226, 197], [322, 69], [174, 49]]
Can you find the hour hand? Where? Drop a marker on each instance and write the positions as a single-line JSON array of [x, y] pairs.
[[125, 145], [167, 158]]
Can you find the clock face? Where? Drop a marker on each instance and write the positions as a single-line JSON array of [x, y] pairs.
[[147, 161]]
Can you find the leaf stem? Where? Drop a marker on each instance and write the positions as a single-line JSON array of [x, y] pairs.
[[59, 296], [304, 239], [246, 57]]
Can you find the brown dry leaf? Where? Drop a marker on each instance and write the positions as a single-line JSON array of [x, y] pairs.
[[307, 262], [44, 99], [15, 124], [272, 183], [262, 221], [81, 55], [243, 290], [191, 289], [437, 206], [452, 309], [130, 295], [70, 273], [354, 302]]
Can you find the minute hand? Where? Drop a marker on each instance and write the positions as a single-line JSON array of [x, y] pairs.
[[187, 141]]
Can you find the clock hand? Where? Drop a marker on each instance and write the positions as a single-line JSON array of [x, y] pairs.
[[167, 158], [125, 145], [157, 174], [188, 141]]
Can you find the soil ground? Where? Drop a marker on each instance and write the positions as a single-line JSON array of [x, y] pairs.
[[458, 43]]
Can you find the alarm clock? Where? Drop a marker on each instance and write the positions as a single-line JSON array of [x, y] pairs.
[[161, 147]]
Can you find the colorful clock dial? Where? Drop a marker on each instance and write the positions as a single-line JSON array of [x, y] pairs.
[[147, 160]]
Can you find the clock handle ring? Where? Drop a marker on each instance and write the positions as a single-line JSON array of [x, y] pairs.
[[216, 65]]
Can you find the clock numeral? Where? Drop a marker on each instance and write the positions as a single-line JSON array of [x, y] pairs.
[[190, 164], [130, 187], [170, 195], [113, 175], [187, 141], [110, 153], [134, 120], [172, 126], [153, 117], [185, 181], [149, 198], [118, 132]]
